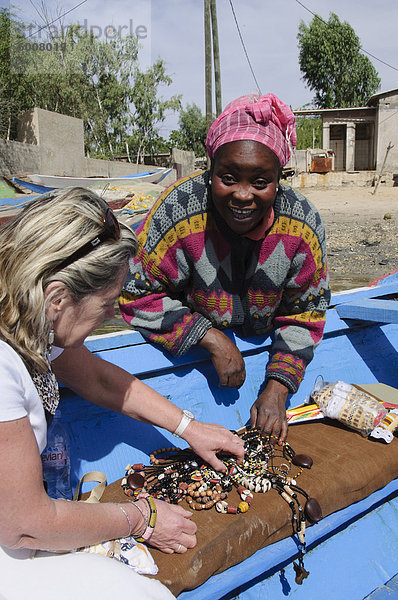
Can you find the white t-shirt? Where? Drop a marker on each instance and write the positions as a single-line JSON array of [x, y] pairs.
[[19, 397], [41, 578]]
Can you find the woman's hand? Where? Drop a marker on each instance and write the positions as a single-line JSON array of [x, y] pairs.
[[268, 413], [226, 358], [207, 439], [174, 531]]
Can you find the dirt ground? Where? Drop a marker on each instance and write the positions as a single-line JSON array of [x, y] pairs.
[[362, 232]]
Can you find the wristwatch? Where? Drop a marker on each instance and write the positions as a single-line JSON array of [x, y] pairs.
[[186, 418]]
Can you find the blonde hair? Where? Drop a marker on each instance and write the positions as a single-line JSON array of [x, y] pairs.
[[42, 236]]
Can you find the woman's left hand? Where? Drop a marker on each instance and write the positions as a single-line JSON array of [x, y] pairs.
[[174, 531], [207, 439], [268, 413]]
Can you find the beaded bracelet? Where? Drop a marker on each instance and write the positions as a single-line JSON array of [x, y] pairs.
[[152, 519]]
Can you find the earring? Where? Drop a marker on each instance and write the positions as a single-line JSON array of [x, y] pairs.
[[210, 182], [50, 339]]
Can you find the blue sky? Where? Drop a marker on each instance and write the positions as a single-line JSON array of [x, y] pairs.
[[174, 32]]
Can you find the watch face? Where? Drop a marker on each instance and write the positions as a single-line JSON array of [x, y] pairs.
[[188, 414]]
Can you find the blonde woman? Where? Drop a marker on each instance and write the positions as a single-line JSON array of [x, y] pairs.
[[63, 262]]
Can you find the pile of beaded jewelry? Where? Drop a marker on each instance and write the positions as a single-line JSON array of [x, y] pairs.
[[176, 474]]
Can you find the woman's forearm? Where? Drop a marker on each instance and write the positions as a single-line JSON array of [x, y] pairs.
[[106, 384], [62, 525], [30, 519]]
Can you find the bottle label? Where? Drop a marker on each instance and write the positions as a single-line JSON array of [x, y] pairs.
[[55, 456]]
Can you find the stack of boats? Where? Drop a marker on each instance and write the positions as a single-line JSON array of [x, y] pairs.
[[137, 190]]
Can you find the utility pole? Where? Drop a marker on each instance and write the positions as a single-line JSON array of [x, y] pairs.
[[216, 56], [208, 69]]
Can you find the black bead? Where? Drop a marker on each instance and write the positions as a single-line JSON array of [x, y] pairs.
[[302, 460], [313, 510]]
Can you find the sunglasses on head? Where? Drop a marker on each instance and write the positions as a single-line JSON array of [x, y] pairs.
[[111, 231]]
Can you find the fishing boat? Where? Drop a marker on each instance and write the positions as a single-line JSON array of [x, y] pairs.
[[9, 207], [352, 552], [55, 181], [32, 187], [132, 217]]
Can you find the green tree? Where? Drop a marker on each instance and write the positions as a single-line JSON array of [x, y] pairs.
[[15, 87], [191, 134], [333, 66], [148, 110], [90, 79], [309, 132], [82, 76]]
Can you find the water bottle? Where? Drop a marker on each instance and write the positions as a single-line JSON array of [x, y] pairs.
[[56, 462]]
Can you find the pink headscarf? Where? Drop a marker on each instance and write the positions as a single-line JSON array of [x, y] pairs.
[[264, 119]]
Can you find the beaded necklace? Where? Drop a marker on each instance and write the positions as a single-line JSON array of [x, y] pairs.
[[175, 474]]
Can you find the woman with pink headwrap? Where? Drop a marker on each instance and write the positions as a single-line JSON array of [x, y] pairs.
[[232, 248]]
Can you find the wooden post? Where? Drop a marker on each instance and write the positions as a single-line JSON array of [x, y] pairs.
[[208, 69], [216, 56], [382, 167]]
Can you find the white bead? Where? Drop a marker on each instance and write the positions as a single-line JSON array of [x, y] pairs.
[[221, 506]]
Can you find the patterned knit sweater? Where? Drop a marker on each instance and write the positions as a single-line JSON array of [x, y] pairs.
[[192, 273]]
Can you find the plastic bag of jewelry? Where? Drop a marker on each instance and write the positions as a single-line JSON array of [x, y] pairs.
[[349, 405], [128, 551]]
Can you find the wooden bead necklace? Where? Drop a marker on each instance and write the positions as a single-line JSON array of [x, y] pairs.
[[176, 474]]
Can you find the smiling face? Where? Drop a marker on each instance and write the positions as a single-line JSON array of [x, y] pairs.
[[74, 321], [245, 178]]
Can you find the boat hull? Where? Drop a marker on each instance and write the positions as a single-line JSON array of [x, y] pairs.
[[352, 551], [55, 181]]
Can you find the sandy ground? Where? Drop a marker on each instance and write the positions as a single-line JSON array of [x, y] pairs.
[[362, 242]]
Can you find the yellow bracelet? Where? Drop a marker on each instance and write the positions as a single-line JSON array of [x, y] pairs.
[[151, 521]]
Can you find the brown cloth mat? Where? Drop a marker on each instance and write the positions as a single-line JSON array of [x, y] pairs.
[[347, 468]]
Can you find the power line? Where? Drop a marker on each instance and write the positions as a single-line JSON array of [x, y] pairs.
[[244, 47], [363, 49], [57, 19]]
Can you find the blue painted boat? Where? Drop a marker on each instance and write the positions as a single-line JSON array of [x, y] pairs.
[[14, 202], [33, 187], [10, 206], [353, 552]]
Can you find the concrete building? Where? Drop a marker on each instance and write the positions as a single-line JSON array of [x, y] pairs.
[[362, 138], [50, 143]]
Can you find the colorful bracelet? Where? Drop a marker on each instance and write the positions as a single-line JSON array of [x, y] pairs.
[[151, 522]]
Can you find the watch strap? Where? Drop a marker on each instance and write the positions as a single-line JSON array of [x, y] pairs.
[[186, 418]]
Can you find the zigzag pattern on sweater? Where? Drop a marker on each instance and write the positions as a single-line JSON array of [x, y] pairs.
[[189, 275]]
